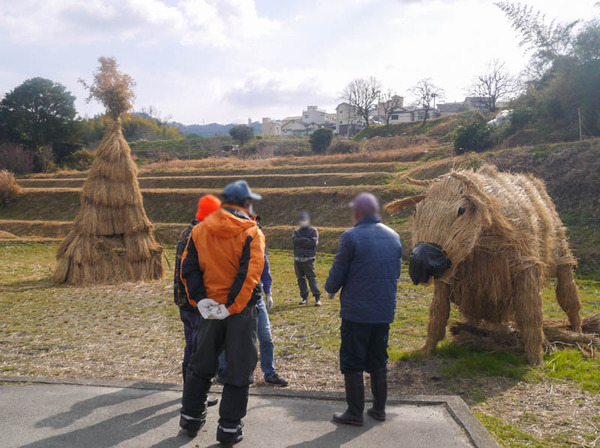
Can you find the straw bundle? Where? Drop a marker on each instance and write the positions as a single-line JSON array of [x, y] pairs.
[[504, 238], [112, 239], [556, 335]]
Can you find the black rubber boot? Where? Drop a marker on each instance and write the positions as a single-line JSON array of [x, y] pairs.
[[193, 410], [355, 397], [379, 390], [192, 425], [228, 436]]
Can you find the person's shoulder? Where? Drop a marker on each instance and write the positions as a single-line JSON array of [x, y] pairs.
[[389, 231]]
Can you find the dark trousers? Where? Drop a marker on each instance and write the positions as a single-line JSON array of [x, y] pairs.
[[305, 270], [364, 347], [237, 336], [191, 322]]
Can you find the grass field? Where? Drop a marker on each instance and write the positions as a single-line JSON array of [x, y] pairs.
[[132, 332]]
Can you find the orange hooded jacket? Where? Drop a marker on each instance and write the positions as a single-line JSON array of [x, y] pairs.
[[224, 259]]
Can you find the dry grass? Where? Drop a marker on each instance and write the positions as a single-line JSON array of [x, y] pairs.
[[132, 332], [9, 188], [212, 181]]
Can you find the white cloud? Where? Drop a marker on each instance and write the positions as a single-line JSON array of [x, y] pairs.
[[200, 23]]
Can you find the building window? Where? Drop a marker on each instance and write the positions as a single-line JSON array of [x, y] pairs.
[[394, 117]]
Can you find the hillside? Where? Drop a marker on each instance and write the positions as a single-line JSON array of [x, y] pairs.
[[212, 129], [324, 185]]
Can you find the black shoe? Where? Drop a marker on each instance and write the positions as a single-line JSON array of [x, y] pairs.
[[212, 401], [276, 380], [192, 425], [303, 301], [318, 302], [219, 379], [230, 436], [355, 398]]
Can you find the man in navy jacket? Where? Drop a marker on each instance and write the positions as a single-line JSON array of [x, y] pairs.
[[366, 267]]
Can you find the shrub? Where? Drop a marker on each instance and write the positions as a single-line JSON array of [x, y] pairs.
[[80, 160], [343, 146], [9, 188], [43, 160], [521, 116], [320, 140], [241, 133], [16, 158], [476, 136]]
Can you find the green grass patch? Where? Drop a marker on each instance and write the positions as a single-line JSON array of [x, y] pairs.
[[468, 362], [570, 365]]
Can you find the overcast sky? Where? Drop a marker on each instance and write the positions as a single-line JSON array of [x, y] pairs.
[[230, 60]]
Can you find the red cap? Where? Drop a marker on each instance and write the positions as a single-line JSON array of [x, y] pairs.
[[207, 205]]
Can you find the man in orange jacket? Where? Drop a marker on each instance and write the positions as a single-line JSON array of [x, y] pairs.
[[220, 269]]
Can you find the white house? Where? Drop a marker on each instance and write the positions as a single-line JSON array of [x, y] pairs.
[[294, 128], [348, 121], [270, 127], [313, 114]]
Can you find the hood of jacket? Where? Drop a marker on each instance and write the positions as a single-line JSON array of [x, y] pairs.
[[225, 224]]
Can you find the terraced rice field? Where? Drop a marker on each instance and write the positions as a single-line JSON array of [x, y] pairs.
[[49, 204]]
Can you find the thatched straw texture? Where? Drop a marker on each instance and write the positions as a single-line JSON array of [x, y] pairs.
[[504, 238], [112, 239], [556, 335]]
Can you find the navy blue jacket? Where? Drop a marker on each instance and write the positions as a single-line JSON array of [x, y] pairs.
[[367, 267]]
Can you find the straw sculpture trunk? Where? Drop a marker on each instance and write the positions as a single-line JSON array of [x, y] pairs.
[[503, 237], [112, 239]]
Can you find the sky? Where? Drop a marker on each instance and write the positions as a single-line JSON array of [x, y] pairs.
[[203, 61]]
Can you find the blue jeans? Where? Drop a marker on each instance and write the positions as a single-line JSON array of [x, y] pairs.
[[265, 340]]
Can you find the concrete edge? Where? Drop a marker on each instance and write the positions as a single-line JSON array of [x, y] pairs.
[[456, 407]]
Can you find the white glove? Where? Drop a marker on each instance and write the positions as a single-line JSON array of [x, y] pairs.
[[218, 312], [330, 295], [269, 300], [204, 306]]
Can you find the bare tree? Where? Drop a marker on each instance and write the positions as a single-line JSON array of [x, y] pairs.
[[493, 84], [389, 101], [362, 94], [426, 93]]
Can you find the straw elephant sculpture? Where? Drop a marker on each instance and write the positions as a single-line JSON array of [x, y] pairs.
[[488, 240]]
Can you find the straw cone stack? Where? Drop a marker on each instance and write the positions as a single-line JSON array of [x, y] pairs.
[[112, 239]]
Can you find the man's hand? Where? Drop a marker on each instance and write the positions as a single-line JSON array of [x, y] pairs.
[[218, 312], [269, 300], [204, 306], [330, 295]]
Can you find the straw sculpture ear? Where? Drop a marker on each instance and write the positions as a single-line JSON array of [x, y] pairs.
[[472, 187], [480, 207], [401, 204]]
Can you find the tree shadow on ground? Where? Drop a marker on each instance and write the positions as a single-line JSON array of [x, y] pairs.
[[84, 408], [112, 431]]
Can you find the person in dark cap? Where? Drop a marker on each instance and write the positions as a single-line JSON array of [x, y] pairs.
[[306, 239], [366, 267], [220, 270]]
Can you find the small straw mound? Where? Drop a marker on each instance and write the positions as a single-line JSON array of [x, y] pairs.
[[556, 334], [112, 239], [9, 188]]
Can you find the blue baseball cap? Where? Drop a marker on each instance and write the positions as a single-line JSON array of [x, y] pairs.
[[240, 190]]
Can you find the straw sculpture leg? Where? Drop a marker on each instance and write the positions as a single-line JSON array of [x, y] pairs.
[[568, 296], [528, 312], [439, 313]]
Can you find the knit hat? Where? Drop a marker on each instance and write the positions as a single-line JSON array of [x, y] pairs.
[[207, 205]]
